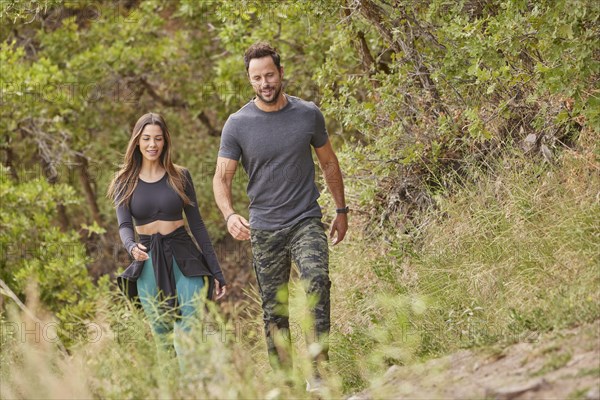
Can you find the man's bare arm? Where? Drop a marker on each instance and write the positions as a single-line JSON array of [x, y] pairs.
[[237, 225], [333, 178]]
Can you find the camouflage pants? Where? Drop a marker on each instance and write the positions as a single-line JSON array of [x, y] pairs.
[[273, 251]]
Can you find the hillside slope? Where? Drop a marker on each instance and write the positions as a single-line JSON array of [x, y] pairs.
[[557, 365]]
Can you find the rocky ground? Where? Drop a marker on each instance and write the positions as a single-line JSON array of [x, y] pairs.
[[556, 365]]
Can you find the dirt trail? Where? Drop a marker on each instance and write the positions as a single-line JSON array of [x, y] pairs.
[[557, 365]]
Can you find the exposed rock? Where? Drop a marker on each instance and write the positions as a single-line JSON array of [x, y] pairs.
[[531, 138], [547, 153], [593, 393], [390, 372], [511, 392], [529, 142], [360, 396], [514, 373]]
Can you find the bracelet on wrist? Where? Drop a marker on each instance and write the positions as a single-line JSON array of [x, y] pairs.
[[229, 216], [344, 210]]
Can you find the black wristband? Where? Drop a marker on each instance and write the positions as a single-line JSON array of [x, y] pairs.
[[229, 216], [344, 210]]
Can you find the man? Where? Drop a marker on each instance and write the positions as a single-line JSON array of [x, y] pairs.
[[272, 135]]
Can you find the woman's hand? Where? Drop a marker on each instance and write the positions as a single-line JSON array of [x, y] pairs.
[[220, 291], [138, 252]]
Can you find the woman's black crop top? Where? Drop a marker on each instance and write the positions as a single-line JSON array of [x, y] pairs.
[[158, 201]]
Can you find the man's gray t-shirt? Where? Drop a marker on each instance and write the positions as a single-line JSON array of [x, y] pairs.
[[275, 151]]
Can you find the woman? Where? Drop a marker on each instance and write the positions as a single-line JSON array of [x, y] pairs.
[[168, 266]]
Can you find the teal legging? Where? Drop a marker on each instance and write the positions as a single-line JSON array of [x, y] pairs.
[[189, 289]]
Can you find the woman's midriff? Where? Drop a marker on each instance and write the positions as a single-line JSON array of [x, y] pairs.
[[162, 227]]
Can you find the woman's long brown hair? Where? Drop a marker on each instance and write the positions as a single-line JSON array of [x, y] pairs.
[[123, 184]]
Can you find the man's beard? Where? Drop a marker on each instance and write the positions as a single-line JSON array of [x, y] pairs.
[[276, 93]]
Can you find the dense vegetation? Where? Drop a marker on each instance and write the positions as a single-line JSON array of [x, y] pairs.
[[468, 136]]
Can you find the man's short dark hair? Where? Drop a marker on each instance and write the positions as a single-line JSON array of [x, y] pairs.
[[260, 50]]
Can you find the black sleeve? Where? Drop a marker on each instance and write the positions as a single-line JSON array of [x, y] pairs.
[[126, 227], [199, 231]]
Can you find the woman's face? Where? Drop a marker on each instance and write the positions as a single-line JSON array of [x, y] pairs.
[[152, 142]]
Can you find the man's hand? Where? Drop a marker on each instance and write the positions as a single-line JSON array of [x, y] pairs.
[[219, 291], [238, 227], [338, 228]]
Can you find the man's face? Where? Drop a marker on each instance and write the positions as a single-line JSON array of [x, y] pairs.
[[265, 78]]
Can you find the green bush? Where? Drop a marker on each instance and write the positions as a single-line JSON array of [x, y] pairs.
[[34, 250]]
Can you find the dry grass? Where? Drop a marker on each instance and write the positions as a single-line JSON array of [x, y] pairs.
[[514, 253]]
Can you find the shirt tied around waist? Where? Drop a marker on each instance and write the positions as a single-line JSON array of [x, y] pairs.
[[162, 249]]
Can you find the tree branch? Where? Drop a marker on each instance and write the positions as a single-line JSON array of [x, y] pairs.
[[178, 103], [174, 102]]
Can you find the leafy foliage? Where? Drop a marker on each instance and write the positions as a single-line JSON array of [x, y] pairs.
[[34, 250]]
